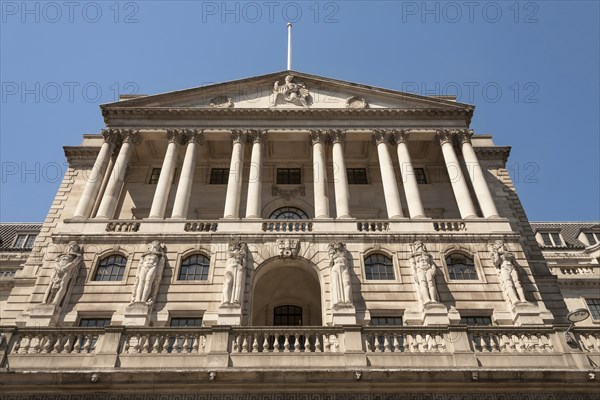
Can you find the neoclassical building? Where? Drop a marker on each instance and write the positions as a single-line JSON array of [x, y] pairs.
[[294, 236]]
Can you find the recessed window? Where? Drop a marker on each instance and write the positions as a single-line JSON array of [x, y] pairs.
[[379, 267], [594, 306], [94, 322], [186, 322], [551, 239], [287, 316], [289, 176], [378, 321], [219, 176], [461, 267], [154, 176], [592, 237], [111, 268], [476, 321], [420, 175], [25, 241], [194, 268], [288, 213], [357, 176]]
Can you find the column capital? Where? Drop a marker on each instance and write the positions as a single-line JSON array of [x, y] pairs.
[[194, 136], [444, 135], [130, 136], [111, 136], [238, 136], [337, 135], [257, 135], [176, 135], [464, 135], [381, 136], [400, 136], [318, 136]]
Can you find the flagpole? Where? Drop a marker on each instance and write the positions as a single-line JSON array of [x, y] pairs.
[[289, 57]]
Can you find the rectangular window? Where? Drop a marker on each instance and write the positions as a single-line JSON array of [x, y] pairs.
[[186, 322], [594, 306], [592, 238], [219, 176], [357, 176], [30, 240], [476, 321], [154, 176], [94, 322], [420, 175], [289, 176], [551, 239], [378, 321], [556, 239], [20, 241]]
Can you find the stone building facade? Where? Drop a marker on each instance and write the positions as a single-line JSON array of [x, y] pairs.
[[290, 235]]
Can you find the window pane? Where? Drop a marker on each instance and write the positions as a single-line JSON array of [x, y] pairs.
[[594, 306], [186, 322], [288, 213], [94, 322], [194, 268], [357, 176], [111, 268], [154, 176], [461, 267], [379, 267], [30, 240], [378, 321], [476, 321], [546, 239], [420, 175], [556, 239], [287, 316], [219, 176], [289, 176], [591, 238], [20, 241]]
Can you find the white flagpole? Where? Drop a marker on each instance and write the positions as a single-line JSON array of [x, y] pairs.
[[289, 58]]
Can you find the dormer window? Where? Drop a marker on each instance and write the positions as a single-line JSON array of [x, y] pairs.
[[24, 241], [551, 239], [592, 238]]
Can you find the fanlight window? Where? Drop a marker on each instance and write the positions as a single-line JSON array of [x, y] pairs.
[[194, 268], [461, 267], [111, 268], [379, 267], [288, 213]]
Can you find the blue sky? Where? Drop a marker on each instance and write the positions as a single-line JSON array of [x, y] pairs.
[[531, 68]]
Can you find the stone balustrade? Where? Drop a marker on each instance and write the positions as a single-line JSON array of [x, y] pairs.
[[164, 341], [372, 226], [287, 226], [54, 341], [449, 226], [589, 341], [286, 340], [404, 340], [517, 341]]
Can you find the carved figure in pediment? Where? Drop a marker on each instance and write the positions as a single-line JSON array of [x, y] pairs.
[[65, 271], [235, 272], [150, 267], [341, 288], [292, 92], [424, 271], [510, 281]]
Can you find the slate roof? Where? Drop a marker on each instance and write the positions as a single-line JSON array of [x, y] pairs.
[[568, 230], [9, 231]]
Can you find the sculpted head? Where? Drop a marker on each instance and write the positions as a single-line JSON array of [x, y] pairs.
[[289, 78], [64, 260], [424, 261]]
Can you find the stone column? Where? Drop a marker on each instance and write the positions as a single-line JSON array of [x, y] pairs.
[[411, 188], [195, 139], [94, 179], [459, 184], [482, 191], [167, 173], [255, 178], [115, 183], [320, 174], [390, 186], [339, 174], [234, 185]]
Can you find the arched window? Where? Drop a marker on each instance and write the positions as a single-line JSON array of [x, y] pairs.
[[194, 268], [379, 267], [111, 268], [288, 213], [461, 267]]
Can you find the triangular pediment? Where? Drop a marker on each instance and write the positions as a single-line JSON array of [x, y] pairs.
[[301, 91]]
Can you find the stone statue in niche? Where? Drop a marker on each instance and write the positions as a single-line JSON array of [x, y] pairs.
[[65, 271], [341, 287], [235, 273], [148, 274], [295, 93], [423, 271], [505, 262]]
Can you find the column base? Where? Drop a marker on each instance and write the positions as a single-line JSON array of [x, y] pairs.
[[229, 314], [42, 315], [343, 314], [136, 314]]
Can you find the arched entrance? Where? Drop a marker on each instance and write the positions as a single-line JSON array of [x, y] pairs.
[[286, 292]]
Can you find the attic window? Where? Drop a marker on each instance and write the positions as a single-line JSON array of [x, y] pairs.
[[25, 241], [592, 237], [551, 239]]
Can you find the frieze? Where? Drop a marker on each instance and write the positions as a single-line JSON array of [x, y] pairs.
[[288, 194]]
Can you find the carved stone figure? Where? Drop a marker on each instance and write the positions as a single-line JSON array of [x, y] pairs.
[[295, 93], [65, 270], [149, 268], [505, 262], [235, 272], [341, 288], [423, 271]]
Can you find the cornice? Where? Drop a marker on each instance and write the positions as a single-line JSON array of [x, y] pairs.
[[81, 155], [493, 153]]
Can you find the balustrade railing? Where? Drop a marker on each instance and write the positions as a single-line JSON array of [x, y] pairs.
[[287, 226], [122, 226], [449, 226], [486, 340], [372, 226], [53, 341], [286, 340], [576, 271], [165, 341], [403, 340], [588, 341], [201, 226]]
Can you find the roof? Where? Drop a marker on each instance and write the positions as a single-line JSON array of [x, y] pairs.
[[568, 230], [9, 231]]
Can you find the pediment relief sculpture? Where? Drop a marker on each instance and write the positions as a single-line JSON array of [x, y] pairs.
[[221, 102], [291, 92], [356, 102]]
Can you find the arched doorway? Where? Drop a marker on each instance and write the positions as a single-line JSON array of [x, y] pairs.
[[286, 292]]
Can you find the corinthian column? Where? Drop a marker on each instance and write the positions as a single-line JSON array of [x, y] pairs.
[[234, 184], [411, 188], [94, 179], [320, 174], [339, 174], [184, 188], [255, 178], [390, 186], [457, 179], [115, 183], [167, 173]]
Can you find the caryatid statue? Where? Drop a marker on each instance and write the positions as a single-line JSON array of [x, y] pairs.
[[295, 93], [339, 276], [235, 274], [505, 262], [65, 270], [149, 268], [423, 271]]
